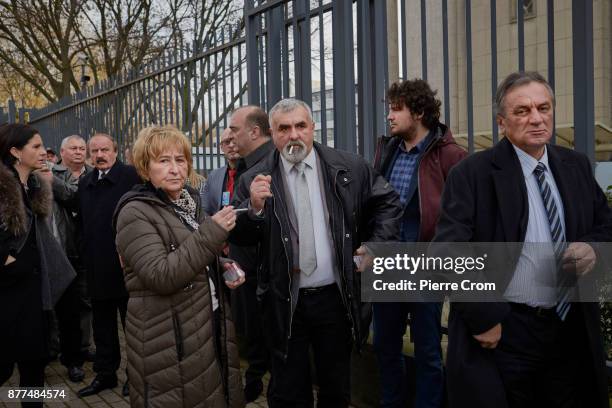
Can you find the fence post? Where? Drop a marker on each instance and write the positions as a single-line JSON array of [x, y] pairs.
[[12, 112], [252, 57], [584, 94], [344, 82], [276, 31]]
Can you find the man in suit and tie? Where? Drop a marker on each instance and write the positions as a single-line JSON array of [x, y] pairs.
[[99, 192], [533, 349], [219, 188], [310, 209]]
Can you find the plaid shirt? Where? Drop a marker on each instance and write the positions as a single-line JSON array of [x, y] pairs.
[[404, 168]]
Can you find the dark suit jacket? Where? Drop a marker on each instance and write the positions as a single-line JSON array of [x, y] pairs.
[[485, 200], [212, 193], [97, 200]]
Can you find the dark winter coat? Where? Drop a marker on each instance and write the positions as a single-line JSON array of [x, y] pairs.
[[362, 207], [173, 359], [97, 201], [485, 200], [31, 285]]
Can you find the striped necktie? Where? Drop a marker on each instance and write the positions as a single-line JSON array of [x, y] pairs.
[[557, 236]]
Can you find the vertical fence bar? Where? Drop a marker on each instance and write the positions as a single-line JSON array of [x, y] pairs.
[[584, 93], [494, 130], [285, 63], [424, 39], [520, 27], [446, 67], [550, 37], [381, 77], [365, 86], [301, 38], [322, 88], [404, 39], [344, 82], [12, 111], [251, 54], [276, 26], [468, 60]]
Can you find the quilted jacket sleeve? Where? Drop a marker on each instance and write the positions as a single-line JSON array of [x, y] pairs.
[[159, 268]]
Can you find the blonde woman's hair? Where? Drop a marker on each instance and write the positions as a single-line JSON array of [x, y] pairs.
[[152, 141], [196, 180]]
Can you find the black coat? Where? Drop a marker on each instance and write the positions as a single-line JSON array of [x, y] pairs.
[[485, 200], [362, 207], [32, 284], [97, 200]]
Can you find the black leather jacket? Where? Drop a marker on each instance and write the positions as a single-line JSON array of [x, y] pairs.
[[362, 207]]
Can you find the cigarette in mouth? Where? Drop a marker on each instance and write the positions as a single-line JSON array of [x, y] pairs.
[[291, 149]]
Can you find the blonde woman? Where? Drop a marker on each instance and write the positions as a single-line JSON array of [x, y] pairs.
[[180, 341]]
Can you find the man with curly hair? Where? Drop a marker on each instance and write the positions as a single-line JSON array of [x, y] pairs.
[[416, 159]]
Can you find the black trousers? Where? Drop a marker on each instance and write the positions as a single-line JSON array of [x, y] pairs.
[[320, 322], [31, 374], [539, 360], [68, 314], [106, 334], [257, 353], [84, 303]]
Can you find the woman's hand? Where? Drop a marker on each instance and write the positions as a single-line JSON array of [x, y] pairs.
[[226, 218], [235, 270], [45, 173]]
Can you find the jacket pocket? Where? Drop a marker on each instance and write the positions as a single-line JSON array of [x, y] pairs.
[[178, 336]]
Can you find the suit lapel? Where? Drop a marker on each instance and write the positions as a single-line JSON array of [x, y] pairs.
[[566, 179], [511, 192]]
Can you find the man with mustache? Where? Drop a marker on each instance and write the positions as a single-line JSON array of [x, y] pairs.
[[311, 207], [99, 192], [250, 132]]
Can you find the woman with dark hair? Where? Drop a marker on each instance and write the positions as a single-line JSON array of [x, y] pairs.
[[33, 270]]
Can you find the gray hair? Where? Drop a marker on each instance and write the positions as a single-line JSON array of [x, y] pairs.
[[289, 105], [69, 138], [515, 80]]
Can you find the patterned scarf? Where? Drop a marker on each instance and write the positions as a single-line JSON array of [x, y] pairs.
[[185, 208]]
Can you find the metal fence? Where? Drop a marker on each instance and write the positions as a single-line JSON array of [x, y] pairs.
[[305, 49], [465, 47], [193, 88], [339, 56], [309, 50]]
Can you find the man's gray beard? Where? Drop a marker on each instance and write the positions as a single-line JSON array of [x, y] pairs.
[[295, 157]]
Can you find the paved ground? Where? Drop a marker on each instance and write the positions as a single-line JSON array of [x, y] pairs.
[[57, 377]]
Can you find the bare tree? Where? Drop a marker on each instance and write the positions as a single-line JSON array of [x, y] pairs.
[[42, 40], [37, 36]]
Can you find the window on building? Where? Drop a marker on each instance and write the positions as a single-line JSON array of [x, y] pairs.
[[529, 10]]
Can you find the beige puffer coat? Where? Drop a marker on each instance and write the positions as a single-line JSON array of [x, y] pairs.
[[173, 359]]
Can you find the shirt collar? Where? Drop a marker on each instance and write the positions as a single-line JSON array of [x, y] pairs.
[[529, 163], [419, 147], [310, 160]]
